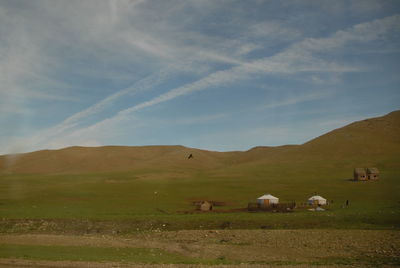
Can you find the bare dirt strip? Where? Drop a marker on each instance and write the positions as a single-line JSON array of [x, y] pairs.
[[15, 263], [268, 246]]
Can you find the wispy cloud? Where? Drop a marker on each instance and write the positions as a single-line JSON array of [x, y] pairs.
[[95, 37], [295, 59], [298, 99], [275, 29], [192, 120], [147, 83]]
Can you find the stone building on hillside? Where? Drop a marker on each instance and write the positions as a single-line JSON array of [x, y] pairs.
[[364, 174], [373, 173], [205, 206], [360, 174]]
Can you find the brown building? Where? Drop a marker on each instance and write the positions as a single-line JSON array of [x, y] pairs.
[[205, 206], [363, 174], [373, 173], [360, 174]]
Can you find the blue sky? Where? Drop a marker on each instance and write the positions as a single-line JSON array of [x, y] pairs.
[[218, 75]]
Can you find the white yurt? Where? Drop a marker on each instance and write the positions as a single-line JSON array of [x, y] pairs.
[[267, 199], [316, 200]]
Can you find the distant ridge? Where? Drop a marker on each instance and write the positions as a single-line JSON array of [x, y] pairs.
[[371, 139]]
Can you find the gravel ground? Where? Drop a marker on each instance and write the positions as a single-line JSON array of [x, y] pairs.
[[297, 246], [14, 263]]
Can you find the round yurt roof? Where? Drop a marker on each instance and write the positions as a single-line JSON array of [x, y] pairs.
[[268, 196], [317, 197]]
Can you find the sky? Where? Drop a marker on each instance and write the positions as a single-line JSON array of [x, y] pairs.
[[212, 74]]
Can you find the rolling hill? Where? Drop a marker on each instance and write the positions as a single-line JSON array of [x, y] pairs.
[[151, 184], [366, 142]]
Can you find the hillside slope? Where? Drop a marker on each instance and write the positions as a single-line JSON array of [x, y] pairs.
[[362, 142], [374, 136], [370, 138], [111, 158]]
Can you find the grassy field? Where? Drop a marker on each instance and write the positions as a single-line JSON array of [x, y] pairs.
[[143, 200]]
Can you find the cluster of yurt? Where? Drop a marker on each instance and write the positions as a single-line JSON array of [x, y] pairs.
[[269, 199]]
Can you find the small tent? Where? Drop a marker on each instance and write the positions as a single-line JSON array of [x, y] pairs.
[[317, 200], [267, 199]]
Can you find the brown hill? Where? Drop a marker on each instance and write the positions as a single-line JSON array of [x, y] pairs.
[[111, 158], [374, 137], [364, 141]]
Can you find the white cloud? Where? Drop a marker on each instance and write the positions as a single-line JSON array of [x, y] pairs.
[[275, 29], [296, 58], [200, 119], [247, 48], [298, 99], [142, 85], [191, 120], [115, 32], [362, 32]]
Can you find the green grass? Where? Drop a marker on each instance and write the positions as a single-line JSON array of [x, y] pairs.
[[98, 254], [297, 220], [140, 199]]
